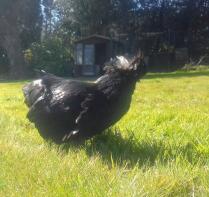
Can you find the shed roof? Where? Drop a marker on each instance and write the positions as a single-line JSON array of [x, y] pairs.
[[93, 39]]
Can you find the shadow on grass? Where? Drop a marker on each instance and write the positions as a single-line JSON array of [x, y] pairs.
[[177, 74], [116, 150]]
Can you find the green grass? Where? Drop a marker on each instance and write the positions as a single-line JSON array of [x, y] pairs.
[[159, 148]]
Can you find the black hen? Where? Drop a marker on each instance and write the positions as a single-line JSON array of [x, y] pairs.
[[64, 110]]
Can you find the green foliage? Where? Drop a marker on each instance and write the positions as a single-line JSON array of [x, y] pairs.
[[159, 148], [184, 23], [96, 16], [52, 56]]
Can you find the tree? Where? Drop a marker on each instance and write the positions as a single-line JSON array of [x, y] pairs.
[[19, 26], [186, 21], [48, 6]]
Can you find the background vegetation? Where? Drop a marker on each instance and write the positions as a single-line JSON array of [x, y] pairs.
[[183, 23]]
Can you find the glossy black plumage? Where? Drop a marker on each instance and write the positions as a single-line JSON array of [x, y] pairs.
[[64, 110]]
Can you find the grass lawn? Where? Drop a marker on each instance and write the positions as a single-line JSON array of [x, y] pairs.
[[159, 148]]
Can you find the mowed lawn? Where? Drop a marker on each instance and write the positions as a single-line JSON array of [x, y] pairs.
[[159, 148]]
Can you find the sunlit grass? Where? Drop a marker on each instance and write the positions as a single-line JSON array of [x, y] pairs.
[[159, 148]]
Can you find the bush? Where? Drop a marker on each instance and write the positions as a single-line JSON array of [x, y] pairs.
[[52, 56]]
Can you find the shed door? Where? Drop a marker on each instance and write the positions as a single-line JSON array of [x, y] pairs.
[[89, 54], [79, 54], [89, 60]]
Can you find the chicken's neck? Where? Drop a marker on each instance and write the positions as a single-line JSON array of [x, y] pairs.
[[116, 86], [118, 89]]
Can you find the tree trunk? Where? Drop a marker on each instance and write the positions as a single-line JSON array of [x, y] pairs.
[[11, 42], [12, 45]]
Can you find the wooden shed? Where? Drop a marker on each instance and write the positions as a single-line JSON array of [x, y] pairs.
[[92, 52]]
